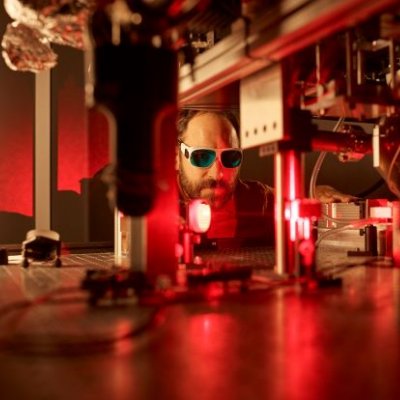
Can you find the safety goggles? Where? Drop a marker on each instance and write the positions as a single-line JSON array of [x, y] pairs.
[[204, 157]]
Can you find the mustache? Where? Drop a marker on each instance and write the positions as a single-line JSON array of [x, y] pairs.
[[213, 184]]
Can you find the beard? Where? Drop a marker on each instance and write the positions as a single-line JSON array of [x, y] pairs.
[[193, 190]]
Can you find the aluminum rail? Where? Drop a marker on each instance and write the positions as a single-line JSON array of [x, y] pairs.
[[280, 31]]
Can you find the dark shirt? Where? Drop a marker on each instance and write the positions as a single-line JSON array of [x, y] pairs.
[[255, 212]]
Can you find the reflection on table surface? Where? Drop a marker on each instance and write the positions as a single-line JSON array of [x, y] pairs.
[[277, 341]]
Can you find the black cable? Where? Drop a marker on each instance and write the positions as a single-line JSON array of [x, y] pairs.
[[371, 189], [62, 346], [24, 304], [67, 345]]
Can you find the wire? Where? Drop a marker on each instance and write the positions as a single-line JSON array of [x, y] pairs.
[[392, 186], [24, 304], [318, 164], [313, 181], [365, 261], [340, 220], [355, 224], [61, 345], [315, 172], [371, 189]]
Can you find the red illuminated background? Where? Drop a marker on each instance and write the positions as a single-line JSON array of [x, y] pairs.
[[82, 137], [16, 141], [79, 146]]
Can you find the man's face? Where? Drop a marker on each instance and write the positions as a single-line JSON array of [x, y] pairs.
[[215, 183]]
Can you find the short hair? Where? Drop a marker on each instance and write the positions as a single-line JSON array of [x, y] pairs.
[[185, 115]]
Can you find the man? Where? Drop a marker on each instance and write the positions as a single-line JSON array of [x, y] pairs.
[[208, 164]]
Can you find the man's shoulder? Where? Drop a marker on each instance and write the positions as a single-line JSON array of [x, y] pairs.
[[253, 196], [255, 211], [250, 187]]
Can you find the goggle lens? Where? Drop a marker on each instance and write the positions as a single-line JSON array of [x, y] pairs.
[[202, 158], [231, 158]]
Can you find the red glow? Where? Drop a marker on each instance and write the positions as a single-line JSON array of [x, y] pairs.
[[293, 229], [210, 334], [305, 225], [214, 292], [300, 213], [72, 137], [292, 214], [83, 143], [199, 216], [303, 363], [380, 212], [123, 329], [175, 9], [293, 171], [16, 167], [99, 152], [293, 191]]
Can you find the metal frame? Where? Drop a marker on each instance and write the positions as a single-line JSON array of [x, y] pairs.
[[42, 157], [289, 27]]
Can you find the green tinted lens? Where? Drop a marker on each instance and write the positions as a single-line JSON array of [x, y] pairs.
[[202, 158], [231, 158]]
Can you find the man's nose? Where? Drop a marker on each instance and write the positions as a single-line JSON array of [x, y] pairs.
[[217, 170]]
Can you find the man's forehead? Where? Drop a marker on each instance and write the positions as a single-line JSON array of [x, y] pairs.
[[209, 128]]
